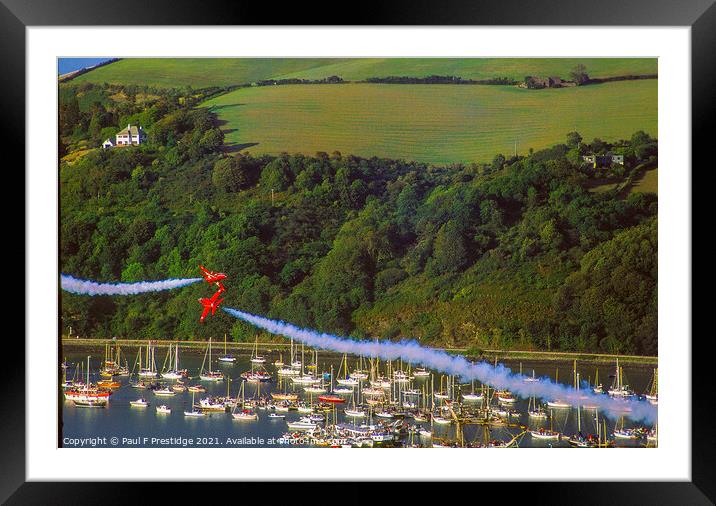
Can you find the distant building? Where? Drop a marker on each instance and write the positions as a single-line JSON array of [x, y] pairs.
[[130, 136], [537, 83], [606, 160]]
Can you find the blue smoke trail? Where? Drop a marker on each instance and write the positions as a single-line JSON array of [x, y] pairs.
[[87, 287], [499, 377]]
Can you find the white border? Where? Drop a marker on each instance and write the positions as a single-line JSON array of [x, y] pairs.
[[670, 461]]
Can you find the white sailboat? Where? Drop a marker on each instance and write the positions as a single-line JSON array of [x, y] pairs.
[[619, 388], [255, 357], [240, 412], [194, 413], [543, 433], [150, 368], [173, 372], [653, 395], [472, 396], [421, 372], [209, 375], [279, 362], [597, 388], [226, 358], [531, 379], [295, 364], [558, 403], [534, 410], [346, 380]]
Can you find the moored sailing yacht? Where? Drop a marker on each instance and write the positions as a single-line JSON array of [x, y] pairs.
[[531, 379], [243, 413], [346, 380], [506, 397], [173, 372], [619, 389], [421, 372], [653, 395], [209, 375], [255, 357], [279, 362], [472, 396], [88, 395], [150, 367], [597, 388], [226, 358], [558, 403], [543, 433], [194, 413], [534, 410]]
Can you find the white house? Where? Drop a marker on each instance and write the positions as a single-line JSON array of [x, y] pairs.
[[130, 136], [604, 160]]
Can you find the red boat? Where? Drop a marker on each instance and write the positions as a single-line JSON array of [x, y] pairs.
[[331, 398]]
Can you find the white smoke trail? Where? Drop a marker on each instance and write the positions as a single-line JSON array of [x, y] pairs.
[[87, 287], [499, 377]]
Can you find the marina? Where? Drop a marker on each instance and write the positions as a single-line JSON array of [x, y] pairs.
[[333, 400]]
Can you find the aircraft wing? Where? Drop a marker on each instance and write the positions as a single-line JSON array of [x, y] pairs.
[[205, 273]]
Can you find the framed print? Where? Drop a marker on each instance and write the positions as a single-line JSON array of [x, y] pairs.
[[248, 244]]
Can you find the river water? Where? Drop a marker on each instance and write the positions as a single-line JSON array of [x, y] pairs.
[[122, 425]]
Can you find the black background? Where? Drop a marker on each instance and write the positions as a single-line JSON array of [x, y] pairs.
[[700, 15]]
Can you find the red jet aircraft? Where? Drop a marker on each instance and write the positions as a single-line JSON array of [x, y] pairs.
[[210, 304], [212, 277]]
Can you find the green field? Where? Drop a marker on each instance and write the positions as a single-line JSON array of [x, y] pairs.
[[478, 68], [197, 72], [648, 182], [204, 72], [430, 123]]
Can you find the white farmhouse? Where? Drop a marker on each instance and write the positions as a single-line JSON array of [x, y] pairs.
[[131, 136]]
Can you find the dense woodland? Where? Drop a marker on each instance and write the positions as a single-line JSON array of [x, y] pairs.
[[510, 253]]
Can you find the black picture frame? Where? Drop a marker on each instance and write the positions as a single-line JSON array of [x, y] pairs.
[[700, 15]]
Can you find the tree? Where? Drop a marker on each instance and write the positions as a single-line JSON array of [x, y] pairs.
[[133, 272], [95, 128], [599, 147], [449, 252], [69, 116], [229, 174], [579, 74], [276, 175], [574, 139], [407, 205], [498, 162]]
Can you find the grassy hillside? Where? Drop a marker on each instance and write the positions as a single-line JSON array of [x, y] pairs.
[[203, 72], [430, 123], [197, 72], [478, 68], [648, 182]]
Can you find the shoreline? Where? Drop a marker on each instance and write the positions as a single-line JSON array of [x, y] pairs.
[[488, 355]]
